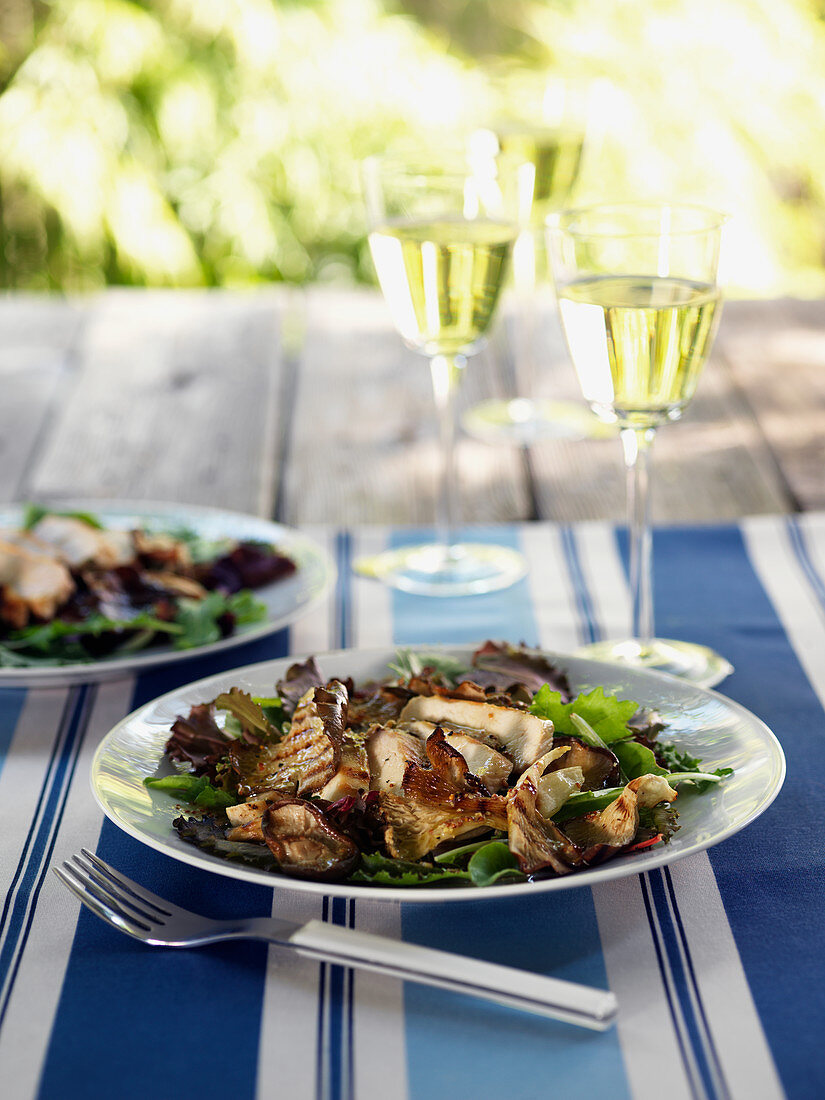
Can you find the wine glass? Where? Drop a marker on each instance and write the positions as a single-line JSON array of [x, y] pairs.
[[441, 233], [542, 122], [636, 285]]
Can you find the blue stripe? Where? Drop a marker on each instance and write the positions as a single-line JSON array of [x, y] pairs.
[[680, 979], [40, 845], [711, 1048], [460, 1047], [644, 882], [196, 1014], [708, 592], [11, 704]]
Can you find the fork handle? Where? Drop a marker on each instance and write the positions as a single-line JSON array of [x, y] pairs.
[[535, 993]]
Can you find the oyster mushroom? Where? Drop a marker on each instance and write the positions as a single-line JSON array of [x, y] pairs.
[[437, 804], [534, 840], [616, 825], [520, 735], [305, 844]]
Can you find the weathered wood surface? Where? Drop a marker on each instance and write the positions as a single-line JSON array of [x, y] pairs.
[[306, 406]]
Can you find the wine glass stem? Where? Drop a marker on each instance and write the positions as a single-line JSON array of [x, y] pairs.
[[638, 444], [446, 374]]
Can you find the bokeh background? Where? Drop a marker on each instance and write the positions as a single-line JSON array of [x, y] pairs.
[[215, 142]]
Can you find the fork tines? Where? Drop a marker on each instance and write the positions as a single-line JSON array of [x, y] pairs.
[[111, 895]]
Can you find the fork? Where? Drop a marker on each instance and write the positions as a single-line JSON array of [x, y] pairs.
[[145, 916]]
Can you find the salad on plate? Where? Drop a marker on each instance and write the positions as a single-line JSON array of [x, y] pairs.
[[73, 590], [443, 773]]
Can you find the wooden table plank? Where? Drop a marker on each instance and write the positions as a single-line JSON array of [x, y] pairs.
[[364, 447], [175, 398], [776, 354], [37, 338]]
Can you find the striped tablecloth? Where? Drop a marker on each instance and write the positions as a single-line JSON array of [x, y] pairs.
[[718, 961]]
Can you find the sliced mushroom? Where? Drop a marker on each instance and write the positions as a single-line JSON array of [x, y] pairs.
[[534, 840], [600, 767], [522, 736], [305, 844], [616, 825]]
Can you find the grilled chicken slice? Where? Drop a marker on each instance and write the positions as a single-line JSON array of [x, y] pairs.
[[33, 583], [353, 775], [520, 735], [492, 767], [617, 824], [389, 750], [79, 544], [312, 749]]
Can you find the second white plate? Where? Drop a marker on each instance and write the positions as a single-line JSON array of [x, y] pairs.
[[286, 600]]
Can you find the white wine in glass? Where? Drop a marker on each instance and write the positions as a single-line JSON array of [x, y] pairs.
[[441, 236], [639, 304], [543, 124]]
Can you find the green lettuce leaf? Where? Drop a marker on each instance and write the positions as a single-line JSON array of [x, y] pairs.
[[605, 713]]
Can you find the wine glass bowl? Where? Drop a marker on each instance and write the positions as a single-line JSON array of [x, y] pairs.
[[637, 293], [441, 236], [542, 122]]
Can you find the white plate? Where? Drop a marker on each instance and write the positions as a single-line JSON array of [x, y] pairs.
[[721, 732], [285, 600]]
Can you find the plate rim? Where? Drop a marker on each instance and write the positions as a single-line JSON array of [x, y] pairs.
[[433, 894], [105, 668]]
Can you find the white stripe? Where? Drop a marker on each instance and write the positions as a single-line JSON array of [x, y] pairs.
[[289, 1016], [629, 954], [551, 593], [605, 578], [286, 1052], [313, 633], [27, 1029], [23, 774], [648, 1040], [738, 1037], [371, 600], [39, 780], [379, 1041], [777, 566]]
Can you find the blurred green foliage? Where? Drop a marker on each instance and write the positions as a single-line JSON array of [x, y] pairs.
[[216, 142]]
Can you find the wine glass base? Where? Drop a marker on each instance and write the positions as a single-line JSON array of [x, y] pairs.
[[523, 420], [464, 569], [696, 663]]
